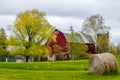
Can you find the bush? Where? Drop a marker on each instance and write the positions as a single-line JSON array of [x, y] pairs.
[[85, 56], [43, 58]]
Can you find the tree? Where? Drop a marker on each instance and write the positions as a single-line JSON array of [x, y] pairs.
[[75, 37], [93, 26], [102, 42], [77, 46], [113, 48], [78, 50], [32, 30], [119, 48], [3, 43]]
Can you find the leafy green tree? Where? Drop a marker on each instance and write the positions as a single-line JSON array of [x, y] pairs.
[[78, 50], [3, 39], [75, 37], [77, 46], [32, 30], [103, 43], [3, 43], [113, 49], [119, 48]]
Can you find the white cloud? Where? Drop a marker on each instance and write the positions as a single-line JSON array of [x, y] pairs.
[[64, 23], [64, 13], [6, 20]]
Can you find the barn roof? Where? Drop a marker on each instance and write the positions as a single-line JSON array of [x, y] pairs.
[[86, 38]]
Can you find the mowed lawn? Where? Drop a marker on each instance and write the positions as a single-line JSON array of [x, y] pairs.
[[59, 70]]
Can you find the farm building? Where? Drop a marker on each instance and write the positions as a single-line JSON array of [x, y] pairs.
[[88, 40], [60, 48]]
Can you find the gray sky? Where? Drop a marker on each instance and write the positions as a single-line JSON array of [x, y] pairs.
[[64, 13]]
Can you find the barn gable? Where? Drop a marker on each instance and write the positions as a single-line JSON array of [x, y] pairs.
[[60, 45]]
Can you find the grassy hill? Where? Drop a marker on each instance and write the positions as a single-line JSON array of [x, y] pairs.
[[59, 70]]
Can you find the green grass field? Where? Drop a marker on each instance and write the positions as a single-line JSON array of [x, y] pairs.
[[60, 70]]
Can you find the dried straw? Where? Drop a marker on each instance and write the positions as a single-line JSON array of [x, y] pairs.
[[101, 63]]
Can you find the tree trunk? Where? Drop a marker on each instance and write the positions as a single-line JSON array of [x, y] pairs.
[[27, 57], [39, 58]]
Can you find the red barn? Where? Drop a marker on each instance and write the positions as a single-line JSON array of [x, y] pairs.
[[59, 48], [88, 40]]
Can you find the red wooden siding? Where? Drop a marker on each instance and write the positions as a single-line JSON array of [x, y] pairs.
[[60, 41], [91, 48], [63, 44]]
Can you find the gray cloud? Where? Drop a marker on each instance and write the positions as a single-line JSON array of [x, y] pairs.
[[64, 8], [60, 7], [75, 8], [63, 13]]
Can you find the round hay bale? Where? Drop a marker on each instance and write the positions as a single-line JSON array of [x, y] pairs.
[[101, 63]]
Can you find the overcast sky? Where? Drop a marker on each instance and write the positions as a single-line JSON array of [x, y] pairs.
[[64, 13]]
